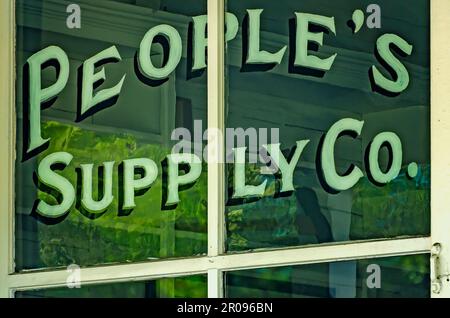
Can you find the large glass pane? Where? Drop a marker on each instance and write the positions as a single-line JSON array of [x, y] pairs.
[[393, 277], [284, 86], [180, 287], [136, 123]]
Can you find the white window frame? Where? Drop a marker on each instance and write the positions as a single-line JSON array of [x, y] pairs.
[[215, 263]]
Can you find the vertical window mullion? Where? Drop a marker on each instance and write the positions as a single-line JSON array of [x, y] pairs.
[[215, 283], [7, 142], [216, 123]]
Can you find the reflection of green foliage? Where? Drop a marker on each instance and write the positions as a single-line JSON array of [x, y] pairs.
[[190, 287], [402, 207], [416, 268], [184, 287], [147, 232], [267, 222], [402, 276]]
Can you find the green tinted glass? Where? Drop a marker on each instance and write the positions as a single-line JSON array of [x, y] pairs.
[[404, 276], [136, 124], [281, 89], [181, 287]]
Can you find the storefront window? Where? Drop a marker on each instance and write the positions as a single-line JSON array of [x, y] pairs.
[[393, 277], [223, 148], [180, 287], [277, 95], [135, 124]]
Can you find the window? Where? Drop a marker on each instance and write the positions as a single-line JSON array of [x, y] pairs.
[[179, 287], [138, 124], [294, 104], [227, 227]]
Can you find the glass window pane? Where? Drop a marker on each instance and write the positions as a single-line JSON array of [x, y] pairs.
[[393, 277], [137, 123], [180, 287], [297, 99]]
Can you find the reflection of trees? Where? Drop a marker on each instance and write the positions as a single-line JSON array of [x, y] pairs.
[[403, 276], [400, 208], [110, 238], [184, 287], [264, 222]]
